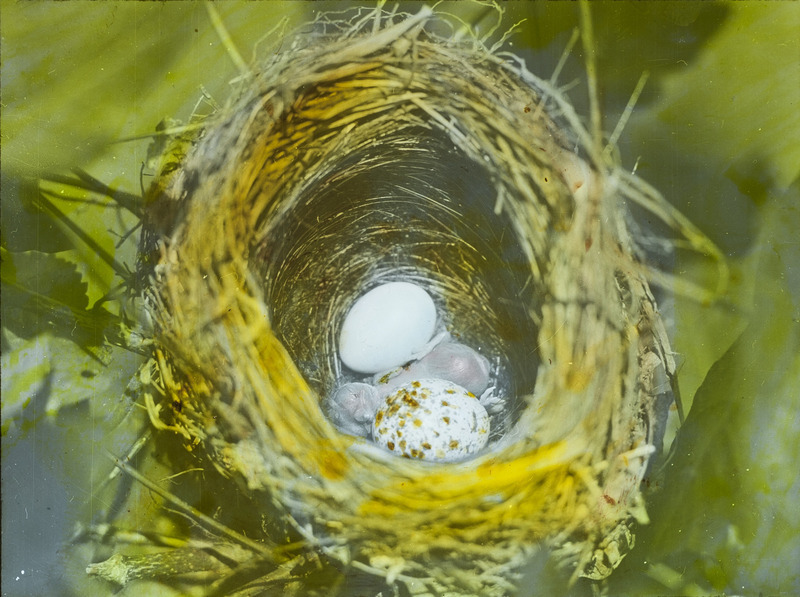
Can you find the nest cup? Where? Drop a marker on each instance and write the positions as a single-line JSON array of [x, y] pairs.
[[378, 150], [410, 207]]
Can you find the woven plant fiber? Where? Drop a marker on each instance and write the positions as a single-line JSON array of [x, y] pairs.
[[387, 148]]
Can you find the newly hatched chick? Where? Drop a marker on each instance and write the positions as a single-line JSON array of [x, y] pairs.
[[450, 361], [351, 408]]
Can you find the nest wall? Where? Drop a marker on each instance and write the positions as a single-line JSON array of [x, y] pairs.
[[387, 152]]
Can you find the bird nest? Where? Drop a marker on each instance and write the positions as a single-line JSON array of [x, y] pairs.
[[382, 149]]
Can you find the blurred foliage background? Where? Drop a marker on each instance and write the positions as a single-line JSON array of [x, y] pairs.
[[715, 130]]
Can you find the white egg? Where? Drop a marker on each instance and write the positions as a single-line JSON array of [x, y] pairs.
[[431, 419], [387, 327]]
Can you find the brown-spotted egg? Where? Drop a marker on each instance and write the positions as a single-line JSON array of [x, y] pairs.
[[431, 419]]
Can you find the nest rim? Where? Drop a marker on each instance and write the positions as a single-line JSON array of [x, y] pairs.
[[529, 473]]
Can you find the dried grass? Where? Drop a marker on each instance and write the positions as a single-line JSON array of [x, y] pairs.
[[260, 247]]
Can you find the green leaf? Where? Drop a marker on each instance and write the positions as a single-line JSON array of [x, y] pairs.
[[48, 274], [728, 515], [26, 371], [753, 72], [46, 374], [90, 223], [721, 143]]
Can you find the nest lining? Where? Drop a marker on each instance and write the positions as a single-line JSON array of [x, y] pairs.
[[341, 165]]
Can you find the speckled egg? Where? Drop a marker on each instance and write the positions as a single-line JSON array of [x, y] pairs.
[[431, 419]]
